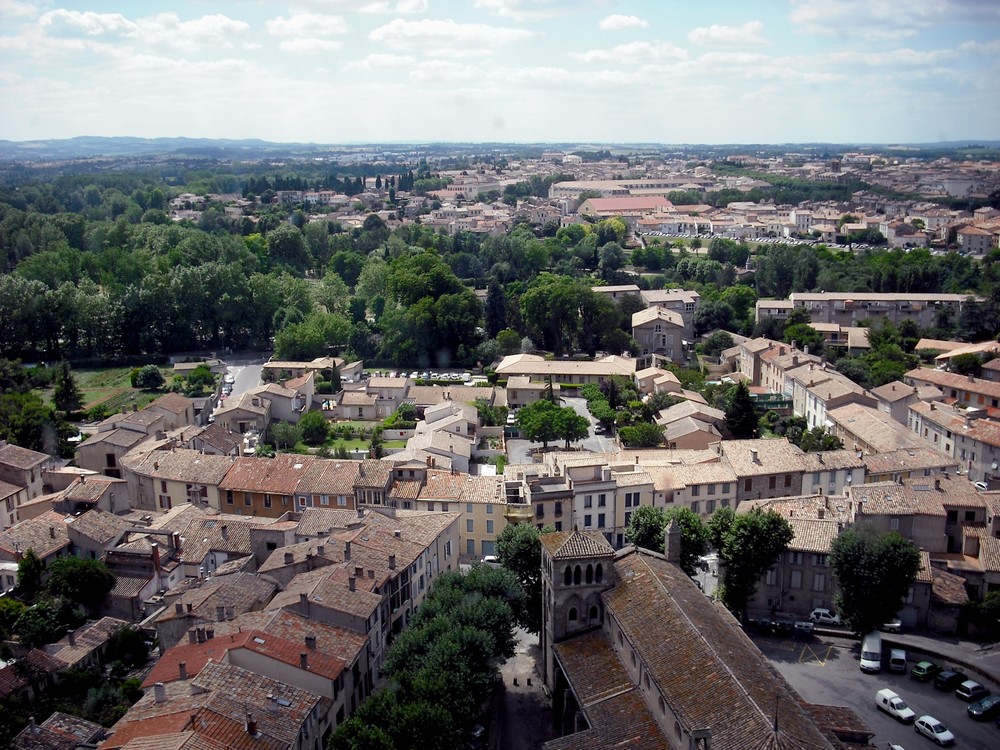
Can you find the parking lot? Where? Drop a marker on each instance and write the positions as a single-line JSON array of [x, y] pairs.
[[825, 671]]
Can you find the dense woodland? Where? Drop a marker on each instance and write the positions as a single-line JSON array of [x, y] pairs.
[[94, 270]]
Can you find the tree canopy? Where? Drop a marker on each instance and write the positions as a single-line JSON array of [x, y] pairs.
[[647, 525], [748, 545], [875, 571]]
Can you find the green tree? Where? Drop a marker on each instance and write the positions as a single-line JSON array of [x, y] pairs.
[[741, 414], [804, 335], [315, 428], [10, 610], [519, 549], [67, 395], [571, 426], [285, 435], [967, 364], [642, 435], [80, 580], [149, 378], [748, 545], [875, 571], [715, 344], [537, 422], [647, 526], [30, 570]]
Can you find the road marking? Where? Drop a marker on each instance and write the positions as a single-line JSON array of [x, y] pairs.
[[813, 657]]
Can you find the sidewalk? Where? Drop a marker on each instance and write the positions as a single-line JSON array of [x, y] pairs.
[[525, 714]]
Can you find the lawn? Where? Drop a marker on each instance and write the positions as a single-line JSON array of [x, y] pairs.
[[112, 388]]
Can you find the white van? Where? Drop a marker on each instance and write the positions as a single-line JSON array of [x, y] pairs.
[[897, 660], [871, 652], [888, 701]]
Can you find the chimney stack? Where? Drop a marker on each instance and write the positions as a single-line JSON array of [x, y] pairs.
[[201, 635], [192, 636], [347, 551], [311, 642], [251, 725], [230, 613], [209, 634], [303, 660], [160, 693], [289, 558], [71, 636], [220, 613], [672, 542], [182, 670], [753, 456], [320, 548], [179, 608], [352, 583], [392, 562], [31, 724], [225, 531]]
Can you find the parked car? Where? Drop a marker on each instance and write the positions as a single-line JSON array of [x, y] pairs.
[[824, 616], [982, 486], [871, 652], [803, 629], [930, 727], [893, 626], [924, 670], [985, 708], [897, 660], [970, 691], [949, 679], [889, 701]]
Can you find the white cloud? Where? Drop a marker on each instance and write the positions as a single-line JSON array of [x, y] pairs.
[[617, 22], [864, 17], [989, 48], [167, 30], [403, 7], [309, 45], [518, 10], [307, 24], [379, 61], [17, 9], [745, 35], [442, 71], [445, 33], [411, 6], [633, 52], [89, 23]]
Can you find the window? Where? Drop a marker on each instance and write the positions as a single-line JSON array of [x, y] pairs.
[[469, 525], [558, 510], [631, 499], [489, 526], [341, 500], [600, 520], [795, 558], [711, 489], [576, 574], [601, 500], [558, 525], [772, 576], [568, 576], [470, 546], [695, 490], [970, 516], [489, 510], [725, 489], [788, 480], [819, 581], [772, 482], [588, 501], [572, 614], [710, 506], [796, 579], [468, 508], [894, 524], [821, 561], [229, 497], [246, 500], [599, 573], [447, 548], [430, 505], [952, 516], [539, 511], [324, 499], [267, 501], [163, 486], [747, 484], [587, 521], [590, 574]]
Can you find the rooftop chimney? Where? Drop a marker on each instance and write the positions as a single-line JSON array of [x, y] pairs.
[[303, 660], [311, 642], [821, 513], [192, 636], [182, 670], [220, 613], [160, 693], [672, 542], [753, 456], [201, 635], [52, 532], [352, 583], [31, 724], [230, 613], [71, 637], [347, 551], [392, 562], [358, 570], [179, 608], [251, 725], [289, 558], [937, 484], [320, 549], [304, 603], [209, 634], [225, 531]]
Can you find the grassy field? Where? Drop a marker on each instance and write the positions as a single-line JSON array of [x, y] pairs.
[[112, 388]]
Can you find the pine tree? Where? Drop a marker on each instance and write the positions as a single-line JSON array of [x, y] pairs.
[[67, 395], [496, 310]]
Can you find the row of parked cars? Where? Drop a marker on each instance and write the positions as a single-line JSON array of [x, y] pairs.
[[982, 705]]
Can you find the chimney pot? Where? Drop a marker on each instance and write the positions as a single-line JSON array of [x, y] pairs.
[[289, 558], [220, 613], [392, 562], [209, 634], [251, 726], [71, 636], [230, 613], [320, 548], [352, 583], [192, 636], [311, 642], [182, 670], [304, 660], [160, 693], [179, 608], [347, 551]]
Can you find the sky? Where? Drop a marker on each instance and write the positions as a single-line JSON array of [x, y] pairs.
[[578, 71]]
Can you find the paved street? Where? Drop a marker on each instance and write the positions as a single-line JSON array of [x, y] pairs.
[[521, 451], [525, 713]]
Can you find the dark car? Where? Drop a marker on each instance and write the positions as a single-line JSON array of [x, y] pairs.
[[949, 679], [985, 709], [924, 670]]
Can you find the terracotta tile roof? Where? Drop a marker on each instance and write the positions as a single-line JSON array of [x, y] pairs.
[[194, 656], [117, 438], [32, 667], [773, 456], [6, 489], [290, 653], [328, 587], [21, 458], [617, 714], [142, 418], [279, 709], [947, 588], [406, 489], [87, 639], [708, 670], [279, 475], [333, 552], [59, 732], [895, 391], [906, 459], [317, 522], [571, 544], [217, 436], [953, 380], [93, 489], [173, 402], [242, 592], [329, 477], [373, 473], [188, 740], [357, 398], [989, 548], [813, 535], [890, 498], [45, 534], [98, 525]]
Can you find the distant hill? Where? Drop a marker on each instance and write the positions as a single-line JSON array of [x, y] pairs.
[[84, 147]]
